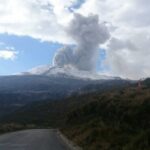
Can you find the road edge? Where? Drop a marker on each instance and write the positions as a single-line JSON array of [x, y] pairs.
[[69, 143]]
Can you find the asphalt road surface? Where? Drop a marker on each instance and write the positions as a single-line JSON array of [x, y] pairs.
[[36, 139]]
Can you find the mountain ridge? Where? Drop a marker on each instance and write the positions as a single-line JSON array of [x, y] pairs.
[[67, 71]]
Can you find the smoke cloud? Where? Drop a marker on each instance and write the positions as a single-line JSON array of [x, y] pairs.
[[88, 34]]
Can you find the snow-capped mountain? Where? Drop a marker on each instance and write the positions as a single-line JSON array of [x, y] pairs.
[[67, 72], [51, 83], [46, 82]]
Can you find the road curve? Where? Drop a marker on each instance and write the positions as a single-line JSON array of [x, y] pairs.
[[35, 139]]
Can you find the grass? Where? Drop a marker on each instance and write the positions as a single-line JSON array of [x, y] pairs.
[[114, 120], [117, 120]]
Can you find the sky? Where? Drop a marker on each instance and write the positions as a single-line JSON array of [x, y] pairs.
[[33, 32], [24, 53]]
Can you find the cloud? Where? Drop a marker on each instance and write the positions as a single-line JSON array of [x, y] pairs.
[[128, 22], [129, 58], [127, 53], [64, 56], [8, 54], [88, 33], [40, 19]]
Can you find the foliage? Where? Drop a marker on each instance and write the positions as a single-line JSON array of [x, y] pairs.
[[117, 120]]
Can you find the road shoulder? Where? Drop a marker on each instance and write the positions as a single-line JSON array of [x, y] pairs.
[[69, 143]]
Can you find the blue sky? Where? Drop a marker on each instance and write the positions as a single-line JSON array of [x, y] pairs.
[[20, 49], [31, 53], [26, 21]]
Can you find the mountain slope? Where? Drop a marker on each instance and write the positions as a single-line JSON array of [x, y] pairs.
[[67, 71], [52, 83], [37, 112], [114, 120], [17, 91], [36, 87]]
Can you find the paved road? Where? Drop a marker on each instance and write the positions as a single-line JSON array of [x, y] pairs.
[[37, 139]]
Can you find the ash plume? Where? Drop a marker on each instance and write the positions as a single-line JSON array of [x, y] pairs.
[[88, 34]]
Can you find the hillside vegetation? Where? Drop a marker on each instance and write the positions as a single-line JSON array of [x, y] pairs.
[[53, 112], [117, 120]]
